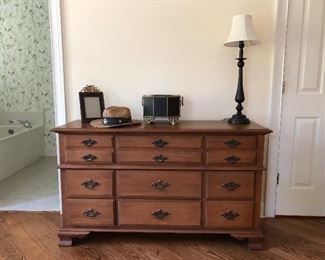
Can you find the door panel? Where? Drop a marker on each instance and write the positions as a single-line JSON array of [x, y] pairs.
[[301, 155]]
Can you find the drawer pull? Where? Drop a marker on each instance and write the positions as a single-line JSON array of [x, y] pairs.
[[89, 142], [160, 214], [90, 213], [90, 184], [231, 186], [89, 157], [160, 185], [160, 158], [233, 143], [232, 159], [159, 143], [230, 215]]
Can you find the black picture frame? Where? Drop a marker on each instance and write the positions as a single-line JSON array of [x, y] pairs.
[[91, 106]]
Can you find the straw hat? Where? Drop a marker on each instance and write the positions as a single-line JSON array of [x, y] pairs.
[[113, 117]]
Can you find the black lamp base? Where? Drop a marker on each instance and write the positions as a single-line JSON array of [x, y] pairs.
[[238, 119]]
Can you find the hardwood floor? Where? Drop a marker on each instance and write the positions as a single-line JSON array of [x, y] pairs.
[[33, 236]]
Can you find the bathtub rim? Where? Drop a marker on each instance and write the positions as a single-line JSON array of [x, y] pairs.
[[23, 131]]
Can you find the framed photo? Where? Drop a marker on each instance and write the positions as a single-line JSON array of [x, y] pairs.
[[91, 106]]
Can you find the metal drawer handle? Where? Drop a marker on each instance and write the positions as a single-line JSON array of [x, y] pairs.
[[160, 185], [160, 214], [230, 215], [232, 159], [89, 157], [159, 143], [231, 186], [160, 158], [89, 142], [233, 143], [89, 184], [91, 213]]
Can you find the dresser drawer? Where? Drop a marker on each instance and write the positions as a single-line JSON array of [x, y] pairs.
[[88, 156], [152, 157], [88, 212], [87, 183], [229, 214], [227, 157], [160, 213], [239, 142], [160, 184], [87, 141], [224, 184], [157, 141]]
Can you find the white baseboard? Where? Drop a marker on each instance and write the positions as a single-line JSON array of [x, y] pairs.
[[50, 151]]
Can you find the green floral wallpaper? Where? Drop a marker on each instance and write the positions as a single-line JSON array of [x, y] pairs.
[[25, 60]]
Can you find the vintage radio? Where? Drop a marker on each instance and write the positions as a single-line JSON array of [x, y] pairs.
[[162, 106]]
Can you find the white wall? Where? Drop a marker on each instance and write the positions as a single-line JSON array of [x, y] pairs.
[[131, 48]]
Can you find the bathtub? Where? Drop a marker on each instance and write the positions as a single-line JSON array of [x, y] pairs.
[[22, 145]]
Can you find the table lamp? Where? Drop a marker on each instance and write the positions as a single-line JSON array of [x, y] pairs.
[[241, 34]]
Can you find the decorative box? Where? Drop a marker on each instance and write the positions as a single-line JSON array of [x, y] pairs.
[[162, 106]]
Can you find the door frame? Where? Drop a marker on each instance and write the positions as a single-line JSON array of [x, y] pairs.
[[57, 61], [275, 114], [57, 74]]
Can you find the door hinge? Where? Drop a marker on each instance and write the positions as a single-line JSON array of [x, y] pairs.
[[277, 178], [283, 87]]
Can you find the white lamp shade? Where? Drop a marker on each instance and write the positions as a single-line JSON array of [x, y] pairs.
[[242, 30]]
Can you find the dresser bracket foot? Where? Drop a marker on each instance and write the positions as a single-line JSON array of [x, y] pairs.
[[66, 237], [255, 241], [65, 240]]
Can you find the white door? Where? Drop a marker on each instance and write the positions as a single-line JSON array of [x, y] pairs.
[[301, 188]]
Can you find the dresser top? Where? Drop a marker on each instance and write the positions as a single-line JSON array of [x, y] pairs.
[[220, 126]]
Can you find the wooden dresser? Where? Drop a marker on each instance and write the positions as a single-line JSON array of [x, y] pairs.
[[195, 177]]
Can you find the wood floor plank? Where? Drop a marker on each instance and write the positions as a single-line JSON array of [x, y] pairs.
[[30, 236], [291, 241], [8, 246], [151, 249], [27, 235], [115, 246]]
